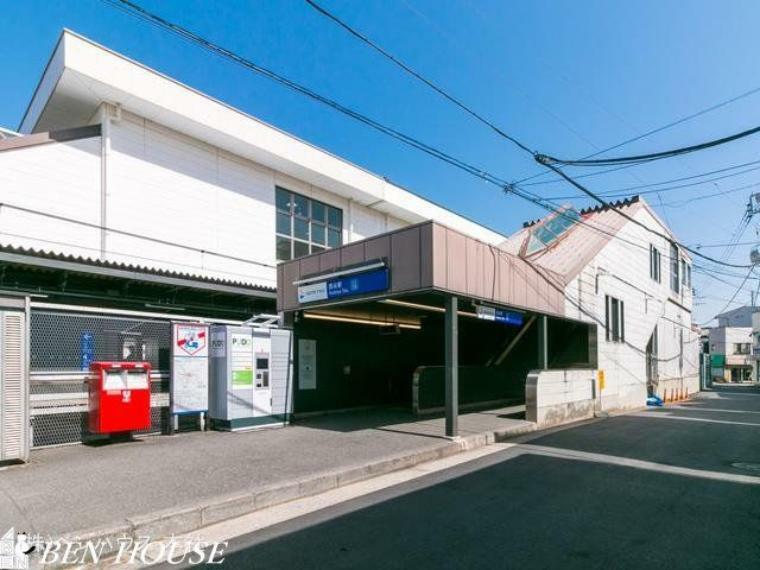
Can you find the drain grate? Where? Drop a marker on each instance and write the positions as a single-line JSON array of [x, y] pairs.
[[747, 466]]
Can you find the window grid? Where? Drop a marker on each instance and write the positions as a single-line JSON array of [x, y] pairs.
[[675, 278], [655, 264], [614, 312], [685, 273], [304, 225]]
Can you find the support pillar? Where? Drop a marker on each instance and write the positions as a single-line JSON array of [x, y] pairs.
[[543, 342], [452, 366]]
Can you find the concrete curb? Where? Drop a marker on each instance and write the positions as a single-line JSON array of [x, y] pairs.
[[189, 518]]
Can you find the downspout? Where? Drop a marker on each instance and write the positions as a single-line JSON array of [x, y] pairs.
[[350, 229], [105, 148], [111, 114]]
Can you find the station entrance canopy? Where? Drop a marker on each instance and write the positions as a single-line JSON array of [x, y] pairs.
[[422, 258], [401, 279]]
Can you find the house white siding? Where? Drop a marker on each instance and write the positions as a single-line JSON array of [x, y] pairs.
[[621, 270]]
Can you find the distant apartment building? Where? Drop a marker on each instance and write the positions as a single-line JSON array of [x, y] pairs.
[[731, 346]]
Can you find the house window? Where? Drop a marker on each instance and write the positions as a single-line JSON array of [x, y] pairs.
[[742, 347], [685, 273], [675, 279], [305, 226], [614, 319], [655, 264]]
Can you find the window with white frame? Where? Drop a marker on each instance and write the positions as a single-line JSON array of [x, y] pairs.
[[685, 273], [304, 225], [655, 264], [675, 278], [614, 319]]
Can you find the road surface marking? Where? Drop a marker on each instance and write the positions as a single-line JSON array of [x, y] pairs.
[[637, 464]]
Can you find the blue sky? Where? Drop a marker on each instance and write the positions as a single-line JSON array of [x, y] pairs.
[[567, 78]]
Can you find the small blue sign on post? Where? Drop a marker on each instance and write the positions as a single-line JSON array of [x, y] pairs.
[[87, 349], [503, 316]]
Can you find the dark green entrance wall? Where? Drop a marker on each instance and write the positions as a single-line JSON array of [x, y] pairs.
[[480, 378], [359, 366]]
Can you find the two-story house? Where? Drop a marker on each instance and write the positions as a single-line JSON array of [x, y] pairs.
[[631, 280]]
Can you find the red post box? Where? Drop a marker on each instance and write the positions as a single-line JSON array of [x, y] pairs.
[[119, 396]]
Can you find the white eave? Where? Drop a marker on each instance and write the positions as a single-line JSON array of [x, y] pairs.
[[81, 75]]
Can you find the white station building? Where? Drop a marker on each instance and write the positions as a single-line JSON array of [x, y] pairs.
[[129, 201]]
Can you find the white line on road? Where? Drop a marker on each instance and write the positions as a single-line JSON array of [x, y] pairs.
[[666, 416], [638, 464], [718, 410]]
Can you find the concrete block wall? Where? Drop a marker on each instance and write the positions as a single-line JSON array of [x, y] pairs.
[[554, 397]]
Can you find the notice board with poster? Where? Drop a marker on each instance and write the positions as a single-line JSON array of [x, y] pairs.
[[307, 364], [189, 378]]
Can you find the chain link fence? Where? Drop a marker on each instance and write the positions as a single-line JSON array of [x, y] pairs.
[[63, 345]]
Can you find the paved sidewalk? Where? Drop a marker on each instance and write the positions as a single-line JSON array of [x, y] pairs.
[[178, 483]]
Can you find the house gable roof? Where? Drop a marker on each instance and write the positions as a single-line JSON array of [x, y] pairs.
[[573, 250]]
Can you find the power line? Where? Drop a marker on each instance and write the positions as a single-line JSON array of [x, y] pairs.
[[355, 33], [628, 190], [651, 156], [541, 159], [587, 175], [417, 75], [739, 288], [656, 130], [710, 245], [313, 4], [682, 203], [143, 14]]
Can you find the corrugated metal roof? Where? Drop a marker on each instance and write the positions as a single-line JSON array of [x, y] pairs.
[[573, 250], [44, 254]]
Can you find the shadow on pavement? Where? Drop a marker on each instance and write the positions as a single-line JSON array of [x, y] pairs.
[[527, 512], [711, 432]]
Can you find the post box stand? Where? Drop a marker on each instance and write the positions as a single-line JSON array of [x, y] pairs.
[[119, 397]]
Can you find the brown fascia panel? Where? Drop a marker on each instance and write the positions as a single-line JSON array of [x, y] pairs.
[[430, 256], [63, 135]]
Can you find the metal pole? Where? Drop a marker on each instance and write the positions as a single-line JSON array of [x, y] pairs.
[[543, 342], [452, 366]]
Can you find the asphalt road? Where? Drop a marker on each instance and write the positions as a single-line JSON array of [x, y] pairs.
[[666, 488]]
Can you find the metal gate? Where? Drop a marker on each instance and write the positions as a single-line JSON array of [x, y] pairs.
[[62, 345]]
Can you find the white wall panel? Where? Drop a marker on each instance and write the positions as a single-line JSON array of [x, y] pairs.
[[55, 178], [176, 189], [367, 222]]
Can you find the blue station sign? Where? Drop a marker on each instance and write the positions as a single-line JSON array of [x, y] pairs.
[[512, 318], [345, 286]]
